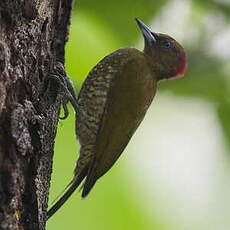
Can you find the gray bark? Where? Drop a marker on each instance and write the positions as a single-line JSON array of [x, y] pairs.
[[32, 38]]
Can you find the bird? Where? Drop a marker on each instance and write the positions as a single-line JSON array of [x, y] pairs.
[[113, 101]]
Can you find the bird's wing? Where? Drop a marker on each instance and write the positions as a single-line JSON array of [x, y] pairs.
[[129, 97]]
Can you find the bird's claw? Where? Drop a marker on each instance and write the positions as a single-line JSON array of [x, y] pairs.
[[66, 84]]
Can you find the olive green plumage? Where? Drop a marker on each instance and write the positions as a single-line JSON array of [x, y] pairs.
[[113, 101]]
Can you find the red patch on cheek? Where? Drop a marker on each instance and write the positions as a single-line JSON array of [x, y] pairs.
[[182, 67]]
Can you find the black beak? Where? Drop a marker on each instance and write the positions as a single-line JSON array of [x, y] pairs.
[[149, 36]]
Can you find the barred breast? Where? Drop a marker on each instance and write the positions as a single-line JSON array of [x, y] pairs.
[[91, 103]]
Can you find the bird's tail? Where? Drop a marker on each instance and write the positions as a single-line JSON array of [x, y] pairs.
[[69, 191]]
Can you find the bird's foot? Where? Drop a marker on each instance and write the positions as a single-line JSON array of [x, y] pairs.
[[59, 75]]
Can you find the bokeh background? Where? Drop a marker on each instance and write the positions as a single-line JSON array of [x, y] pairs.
[[175, 172]]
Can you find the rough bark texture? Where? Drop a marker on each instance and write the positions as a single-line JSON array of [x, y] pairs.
[[32, 38]]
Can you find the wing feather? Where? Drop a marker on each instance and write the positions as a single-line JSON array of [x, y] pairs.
[[128, 100]]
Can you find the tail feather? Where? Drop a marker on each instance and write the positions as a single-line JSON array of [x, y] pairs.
[[70, 190], [87, 186], [89, 181]]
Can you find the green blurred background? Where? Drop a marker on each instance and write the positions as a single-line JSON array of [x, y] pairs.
[[175, 172]]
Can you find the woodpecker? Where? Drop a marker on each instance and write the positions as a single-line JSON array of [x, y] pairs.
[[113, 101]]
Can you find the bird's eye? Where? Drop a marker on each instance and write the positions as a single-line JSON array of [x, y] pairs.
[[166, 44]]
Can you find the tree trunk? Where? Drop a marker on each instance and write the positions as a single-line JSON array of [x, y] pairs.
[[32, 39]]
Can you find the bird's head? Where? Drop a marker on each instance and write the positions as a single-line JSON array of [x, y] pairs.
[[166, 56]]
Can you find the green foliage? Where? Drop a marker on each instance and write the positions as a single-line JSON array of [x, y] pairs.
[[118, 15]]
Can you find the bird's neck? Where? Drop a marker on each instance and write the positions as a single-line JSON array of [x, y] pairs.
[[154, 67]]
